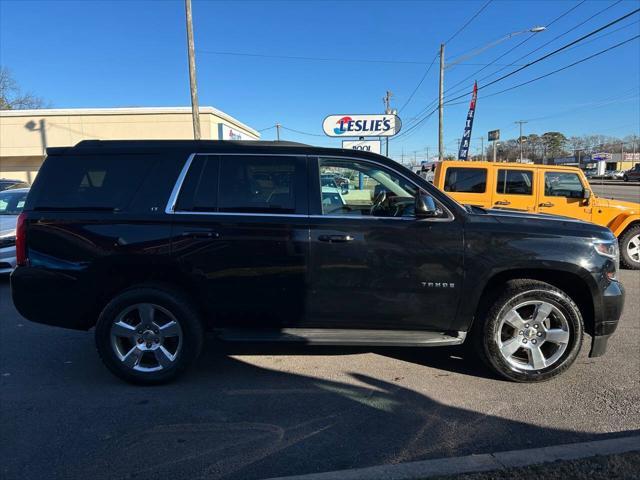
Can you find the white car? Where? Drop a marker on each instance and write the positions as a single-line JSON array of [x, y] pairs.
[[11, 204]]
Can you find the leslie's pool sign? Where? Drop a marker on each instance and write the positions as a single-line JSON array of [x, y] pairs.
[[361, 125], [363, 145]]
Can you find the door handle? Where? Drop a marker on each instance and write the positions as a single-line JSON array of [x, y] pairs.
[[201, 234], [336, 238], [546, 204], [503, 202]]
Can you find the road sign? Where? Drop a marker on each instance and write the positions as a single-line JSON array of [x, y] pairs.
[[363, 145], [376, 125], [494, 135]]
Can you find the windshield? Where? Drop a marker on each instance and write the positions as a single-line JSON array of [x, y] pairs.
[[12, 202]]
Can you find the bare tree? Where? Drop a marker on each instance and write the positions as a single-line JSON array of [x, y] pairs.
[[12, 97]]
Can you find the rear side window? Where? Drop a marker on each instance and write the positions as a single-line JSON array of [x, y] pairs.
[[106, 182], [515, 182], [199, 191], [254, 184], [468, 180]]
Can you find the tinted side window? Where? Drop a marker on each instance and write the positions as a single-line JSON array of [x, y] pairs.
[[515, 182], [254, 184], [562, 184], [470, 180], [200, 187], [86, 182]]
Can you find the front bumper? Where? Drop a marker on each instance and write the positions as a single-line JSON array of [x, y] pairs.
[[606, 320], [7, 259]]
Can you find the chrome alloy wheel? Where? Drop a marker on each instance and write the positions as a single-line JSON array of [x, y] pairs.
[[146, 337], [633, 248], [533, 335]]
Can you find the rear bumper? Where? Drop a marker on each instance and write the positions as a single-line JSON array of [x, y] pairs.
[[52, 298], [606, 320]]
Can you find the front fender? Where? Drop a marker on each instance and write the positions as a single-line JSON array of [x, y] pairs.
[[622, 221]]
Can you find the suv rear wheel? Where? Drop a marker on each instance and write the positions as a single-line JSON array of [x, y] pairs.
[[532, 332], [630, 248], [147, 335]]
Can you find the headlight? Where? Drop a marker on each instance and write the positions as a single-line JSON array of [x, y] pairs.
[[610, 250]]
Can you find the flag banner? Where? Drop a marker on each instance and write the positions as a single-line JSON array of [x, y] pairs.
[[463, 153]]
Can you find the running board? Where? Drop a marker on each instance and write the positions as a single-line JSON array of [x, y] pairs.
[[321, 336]]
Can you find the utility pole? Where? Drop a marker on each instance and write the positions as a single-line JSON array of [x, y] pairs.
[[441, 106], [387, 109], [193, 84], [278, 131], [495, 146], [427, 154], [482, 147], [520, 139]]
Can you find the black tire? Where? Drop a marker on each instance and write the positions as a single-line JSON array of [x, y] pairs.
[[515, 293], [625, 178], [626, 259], [173, 302]]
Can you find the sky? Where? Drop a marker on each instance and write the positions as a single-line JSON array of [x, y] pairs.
[[96, 53]]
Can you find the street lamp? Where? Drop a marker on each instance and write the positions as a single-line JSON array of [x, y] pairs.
[[535, 29]]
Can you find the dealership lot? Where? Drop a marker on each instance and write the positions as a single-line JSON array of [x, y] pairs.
[[258, 411]]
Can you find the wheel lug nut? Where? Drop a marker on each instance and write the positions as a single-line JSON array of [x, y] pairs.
[[526, 325], [524, 340], [521, 332], [539, 334], [535, 326], [140, 340], [534, 341]]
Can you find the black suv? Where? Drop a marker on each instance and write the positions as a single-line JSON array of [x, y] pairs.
[[155, 242]]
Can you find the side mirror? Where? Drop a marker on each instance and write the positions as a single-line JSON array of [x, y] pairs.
[[426, 207], [345, 189], [586, 195]]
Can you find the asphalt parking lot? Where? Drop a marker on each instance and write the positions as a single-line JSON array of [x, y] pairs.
[[259, 411]]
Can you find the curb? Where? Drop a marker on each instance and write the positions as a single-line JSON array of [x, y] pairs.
[[479, 463]]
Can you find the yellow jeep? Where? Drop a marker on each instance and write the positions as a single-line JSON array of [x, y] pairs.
[[548, 189]]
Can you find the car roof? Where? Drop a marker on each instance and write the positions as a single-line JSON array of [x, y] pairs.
[[535, 166], [95, 147]]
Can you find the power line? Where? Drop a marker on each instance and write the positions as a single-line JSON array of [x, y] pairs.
[[301, 132], [559, 36], [543, 45], [474, 75], [559, 69], [469, 21], [564, 47], [432, 103], [558, 50], [309, 58], [437, 53], [420, 82]]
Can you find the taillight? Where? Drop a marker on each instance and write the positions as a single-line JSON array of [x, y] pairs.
[[21, 241]]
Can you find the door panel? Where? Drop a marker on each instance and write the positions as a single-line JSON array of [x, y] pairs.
[[514, 189], [241, 237], [368, 270], [561, 193]]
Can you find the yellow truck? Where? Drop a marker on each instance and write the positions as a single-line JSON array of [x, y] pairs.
[[550, 189]]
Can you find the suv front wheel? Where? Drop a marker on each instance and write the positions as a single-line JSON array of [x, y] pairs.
[[630, 248], [148, 335], [532, 332]]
